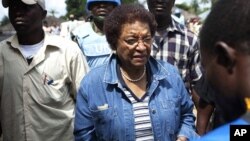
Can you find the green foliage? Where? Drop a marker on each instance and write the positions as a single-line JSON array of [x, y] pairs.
[[194, 7], [183, 6], [129, 1], [78, 7]]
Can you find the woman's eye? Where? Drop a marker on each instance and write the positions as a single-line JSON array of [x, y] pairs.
[[147, 40], [131, 41]]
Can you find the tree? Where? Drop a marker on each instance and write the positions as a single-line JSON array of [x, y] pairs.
[[194, 7], [5, 20], [53, 12], [78, 7], [207, 1]]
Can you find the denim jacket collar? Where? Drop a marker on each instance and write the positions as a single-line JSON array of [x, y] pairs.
[[110, 73]]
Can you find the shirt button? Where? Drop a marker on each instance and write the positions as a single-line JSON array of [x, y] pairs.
[[153, 111]]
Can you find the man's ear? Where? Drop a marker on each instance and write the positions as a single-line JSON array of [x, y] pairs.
[[225, 56], [44, 14]]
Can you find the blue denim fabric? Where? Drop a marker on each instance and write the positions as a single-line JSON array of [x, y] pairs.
[[94, 46], [104, 113]]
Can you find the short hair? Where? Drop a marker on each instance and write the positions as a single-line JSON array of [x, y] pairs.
[[228, 22], [126, 13]]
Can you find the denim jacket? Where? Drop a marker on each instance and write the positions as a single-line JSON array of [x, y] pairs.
[[104, 113]]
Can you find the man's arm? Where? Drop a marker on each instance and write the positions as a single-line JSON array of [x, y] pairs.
[[204, 105], [204, 113]]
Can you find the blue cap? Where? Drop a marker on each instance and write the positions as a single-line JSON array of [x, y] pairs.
[[116, 2]]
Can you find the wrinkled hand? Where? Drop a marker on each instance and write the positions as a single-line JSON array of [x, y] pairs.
[[181, 139]]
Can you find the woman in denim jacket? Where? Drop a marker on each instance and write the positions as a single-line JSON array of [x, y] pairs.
[[133, 96]]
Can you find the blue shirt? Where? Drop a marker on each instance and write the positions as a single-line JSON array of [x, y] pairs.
[[223, 133], [103, 112]]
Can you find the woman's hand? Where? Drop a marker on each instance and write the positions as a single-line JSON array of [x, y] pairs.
[[181, 139]]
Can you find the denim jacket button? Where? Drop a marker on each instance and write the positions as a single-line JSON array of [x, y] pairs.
[[153, 111]]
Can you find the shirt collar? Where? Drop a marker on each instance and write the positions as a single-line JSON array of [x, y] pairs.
[[13, 41], [176, 27], [157, 71], [96, 29]]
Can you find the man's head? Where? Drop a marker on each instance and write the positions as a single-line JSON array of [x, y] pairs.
[[225, 47], [29, 2], [93, 2], [71, 17], [161, 8], [101, 8], [27, 19]]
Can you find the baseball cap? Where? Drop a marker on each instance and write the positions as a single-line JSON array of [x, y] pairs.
[[28, 2]]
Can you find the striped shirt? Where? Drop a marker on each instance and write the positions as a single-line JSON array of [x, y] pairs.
[[143, 126], [179, 46]]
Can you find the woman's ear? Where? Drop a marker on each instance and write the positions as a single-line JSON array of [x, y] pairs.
[[225, 56]]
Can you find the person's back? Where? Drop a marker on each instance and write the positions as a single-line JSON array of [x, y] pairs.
[[67, 27], [225, 49], [90, 36], [39, 77]]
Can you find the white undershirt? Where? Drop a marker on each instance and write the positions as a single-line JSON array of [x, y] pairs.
[[29, 51]]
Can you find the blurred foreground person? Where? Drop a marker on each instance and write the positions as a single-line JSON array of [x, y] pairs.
[[133, 96], [39, 78], [90, 36], [225, 50]]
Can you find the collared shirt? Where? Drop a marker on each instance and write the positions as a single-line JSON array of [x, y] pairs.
[[37, 100], [103, 112], [179, 46]]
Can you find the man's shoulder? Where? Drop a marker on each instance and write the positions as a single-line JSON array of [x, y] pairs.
[[222, 133], [183, 30], [12, 39], [60, 42], [82, 29]]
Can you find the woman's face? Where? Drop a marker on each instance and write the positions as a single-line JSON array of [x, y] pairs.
[[134, 44]]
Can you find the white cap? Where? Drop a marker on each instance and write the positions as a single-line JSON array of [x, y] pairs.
[[29, 2]]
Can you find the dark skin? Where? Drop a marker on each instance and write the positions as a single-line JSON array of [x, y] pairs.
[[162, 12], [99, 11], [27, 21], [205, 112]]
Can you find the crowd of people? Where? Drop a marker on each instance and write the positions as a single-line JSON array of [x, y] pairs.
[[126, 73]]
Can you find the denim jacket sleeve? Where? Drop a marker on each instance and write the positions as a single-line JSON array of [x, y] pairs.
[[84, 127], [187, 127]]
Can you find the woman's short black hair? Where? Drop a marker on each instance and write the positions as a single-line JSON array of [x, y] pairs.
[[126, 13], [228, 22]]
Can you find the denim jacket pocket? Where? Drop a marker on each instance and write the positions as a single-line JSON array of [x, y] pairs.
[[169, 114], [104, 122]]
